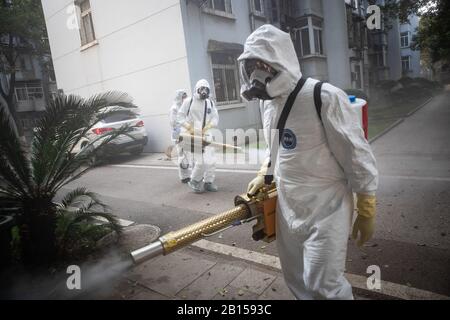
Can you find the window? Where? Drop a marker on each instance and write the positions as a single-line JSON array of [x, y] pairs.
[[24, 63], [21, 94], [352, 3], [404, 39], [304, 41], [86, 26], [258, 7], [317, 29], [318, 41], [225, 74], [275, 11], [305, 44], [220, 5], [377, 59], [406, 63]]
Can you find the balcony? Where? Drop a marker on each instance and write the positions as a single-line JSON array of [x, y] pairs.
[[31, 105]]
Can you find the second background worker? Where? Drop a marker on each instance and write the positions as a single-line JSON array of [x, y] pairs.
[[198, 115]]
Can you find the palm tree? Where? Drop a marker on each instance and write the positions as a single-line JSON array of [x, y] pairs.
[[31, 180]]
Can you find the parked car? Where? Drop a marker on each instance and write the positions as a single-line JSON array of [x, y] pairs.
[[133, 143]]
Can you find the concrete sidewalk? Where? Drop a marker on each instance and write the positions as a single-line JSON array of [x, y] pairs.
[[196, 274]]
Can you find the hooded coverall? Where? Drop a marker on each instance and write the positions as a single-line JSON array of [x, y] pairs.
[[200, 114], [184, 170], [318, 166]]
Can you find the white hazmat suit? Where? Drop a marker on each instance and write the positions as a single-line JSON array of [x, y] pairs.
[[318, 165], [184, 170], [200, 115]]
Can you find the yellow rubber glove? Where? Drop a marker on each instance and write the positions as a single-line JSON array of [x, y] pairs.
[[255, 185], [258, 182], [189, 128], [365, 221], [206, 128]]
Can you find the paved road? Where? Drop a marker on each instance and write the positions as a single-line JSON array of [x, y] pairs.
[[412, 241]]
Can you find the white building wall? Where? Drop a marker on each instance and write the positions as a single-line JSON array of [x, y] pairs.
[[336, 39], [394, 53], [141, 50], [200, 27], [414, 54]]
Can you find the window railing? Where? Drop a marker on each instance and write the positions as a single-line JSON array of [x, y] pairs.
[[29, 93]]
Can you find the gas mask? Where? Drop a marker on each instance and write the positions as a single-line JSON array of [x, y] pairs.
[[203, 93], [255, 75]]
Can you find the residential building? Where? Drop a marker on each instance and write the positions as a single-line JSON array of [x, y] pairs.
[[410, 59], [151, 48], [390, 50], [34, 84], [330, 39]]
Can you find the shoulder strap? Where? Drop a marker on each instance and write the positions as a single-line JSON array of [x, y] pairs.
[[318, 98], [204, 113], [288, 106], [190, 104], [282, 122]]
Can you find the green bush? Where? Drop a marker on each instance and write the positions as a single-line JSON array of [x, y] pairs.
[[78, 227], [30, 180], [386, 85]]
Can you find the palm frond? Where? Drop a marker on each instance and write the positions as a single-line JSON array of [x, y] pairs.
[[65, 123], [15, 168], [68, 220], [11, 180], [83, 197], [77, 166], [111, 221]]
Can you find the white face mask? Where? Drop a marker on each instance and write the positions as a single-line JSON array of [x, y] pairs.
[[279, 85]]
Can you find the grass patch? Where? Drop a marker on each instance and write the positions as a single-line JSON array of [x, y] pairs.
[[396, 110], [376, 127], [381, 117]]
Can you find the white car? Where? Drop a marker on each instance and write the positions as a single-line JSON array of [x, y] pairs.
[[135, 140]]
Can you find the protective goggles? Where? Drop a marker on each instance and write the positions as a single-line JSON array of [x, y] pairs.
[[203, 90]]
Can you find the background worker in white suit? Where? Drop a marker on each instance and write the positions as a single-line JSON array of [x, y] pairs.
[[198, 115], [322, 159], [184, 171]]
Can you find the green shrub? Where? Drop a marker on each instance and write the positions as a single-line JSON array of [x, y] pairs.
[[30, 180]]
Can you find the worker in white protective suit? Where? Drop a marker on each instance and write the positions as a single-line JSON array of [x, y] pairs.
[[198, 115], [184, 171], [317, 166]]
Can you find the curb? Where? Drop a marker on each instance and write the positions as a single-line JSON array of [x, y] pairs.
[[396, 123], [388, 289], [419, 107], [382, 133]]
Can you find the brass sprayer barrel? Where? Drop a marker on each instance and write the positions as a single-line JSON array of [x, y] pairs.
[[177, 239]]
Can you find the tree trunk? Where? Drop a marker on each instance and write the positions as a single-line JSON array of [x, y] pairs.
[[37, 234], [11, 102], [14, 114]]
